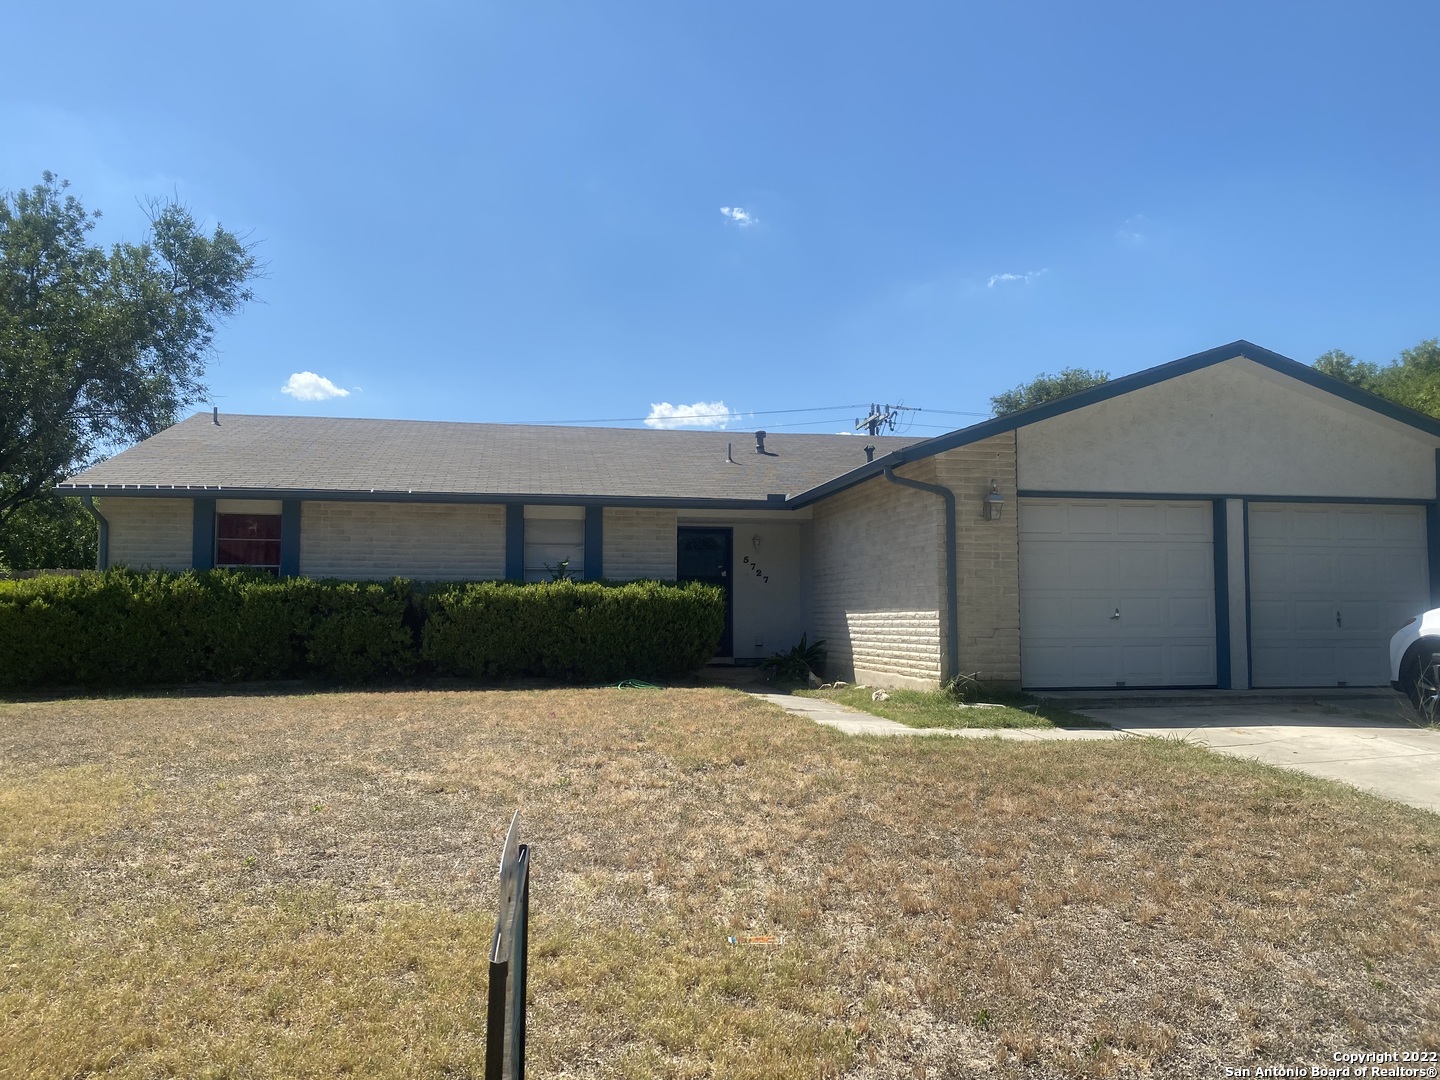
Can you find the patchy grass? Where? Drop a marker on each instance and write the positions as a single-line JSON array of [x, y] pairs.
[[304, 886], [937, 709]]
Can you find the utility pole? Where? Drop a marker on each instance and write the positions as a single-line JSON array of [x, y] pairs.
[[877, 420], [881, 417]]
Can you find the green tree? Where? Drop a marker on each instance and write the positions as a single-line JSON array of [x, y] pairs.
[[1412, 379], [99, 348], [49, 534], [1045, 388]]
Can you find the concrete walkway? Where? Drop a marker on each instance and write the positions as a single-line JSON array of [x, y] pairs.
[[854, 722], [1366, 742]]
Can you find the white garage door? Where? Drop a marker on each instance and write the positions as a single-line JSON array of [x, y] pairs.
[[1329, 585], [1116, 593]]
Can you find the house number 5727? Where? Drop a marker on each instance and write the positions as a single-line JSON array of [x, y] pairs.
[[758, 572]]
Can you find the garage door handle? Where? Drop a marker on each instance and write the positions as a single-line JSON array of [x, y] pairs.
[[1337, 618], [1117, 614]]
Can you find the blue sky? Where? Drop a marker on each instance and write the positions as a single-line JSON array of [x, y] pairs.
[[513, 211]]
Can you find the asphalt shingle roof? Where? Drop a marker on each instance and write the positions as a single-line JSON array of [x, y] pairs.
[[318, 454]]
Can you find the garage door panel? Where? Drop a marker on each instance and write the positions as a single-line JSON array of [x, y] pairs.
[[1191, 614], [1190, 568], [1314, 616], [1082, 560], [1144, 613], [1267, 566], [1268, 612], [1359, 572], [1069, 615], [1050, 664], [1310, 524], [1044, 520], [1361, 662], [1362, 617], [1193, 664], [1093, 663], [1085, 563], [1188, 522], [1310, 568], [1357, 526], [1144, 567], [1140, 519], [1142, 665], [1405, 528], [1049, 569], [1404, 566], [1096, 520], [1309, 563], [1266, 524]]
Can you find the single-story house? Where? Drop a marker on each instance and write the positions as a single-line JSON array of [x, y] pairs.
[[1231, 519]]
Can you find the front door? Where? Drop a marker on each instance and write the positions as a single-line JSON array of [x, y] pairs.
[[704, 555]]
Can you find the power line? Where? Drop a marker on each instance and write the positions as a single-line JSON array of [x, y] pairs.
[[736, 413], [740, 414]]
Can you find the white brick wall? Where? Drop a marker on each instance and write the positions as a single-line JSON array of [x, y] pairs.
[[987, 564], [425, 541], [639, 544], [877, 567], [153, 533]]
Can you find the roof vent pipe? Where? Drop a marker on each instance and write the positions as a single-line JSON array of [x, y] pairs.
[[759, 442], [869, 453], [729, 453], [215, 416]]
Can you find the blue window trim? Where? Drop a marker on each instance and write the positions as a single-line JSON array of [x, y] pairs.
[[594, 542], [514, 541], [1221, 549], [289, 537], [202, 548], [1249, 630]]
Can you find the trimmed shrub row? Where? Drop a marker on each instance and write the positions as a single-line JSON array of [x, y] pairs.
[[123, 628], [574, 631]]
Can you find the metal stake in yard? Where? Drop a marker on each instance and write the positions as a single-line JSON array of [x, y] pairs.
[[509, 953]]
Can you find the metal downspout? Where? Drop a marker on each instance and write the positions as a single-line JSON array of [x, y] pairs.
[[952, 611], [102, 552]]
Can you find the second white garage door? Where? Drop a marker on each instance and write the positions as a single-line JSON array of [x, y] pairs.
[[1329, 584], [1116, 593]]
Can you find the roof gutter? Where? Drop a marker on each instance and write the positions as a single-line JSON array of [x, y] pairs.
[[771, 501], [952, 610], [102, 554]]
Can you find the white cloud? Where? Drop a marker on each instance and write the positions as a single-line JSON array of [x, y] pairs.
[[739, 216], [1025, 278], [307, 386], [1132, 231], [703, 414]]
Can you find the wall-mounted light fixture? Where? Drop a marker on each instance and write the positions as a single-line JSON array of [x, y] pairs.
[[755, 541], [994, 504]]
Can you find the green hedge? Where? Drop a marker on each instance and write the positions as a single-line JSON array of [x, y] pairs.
[[123, 628], [573, 631]]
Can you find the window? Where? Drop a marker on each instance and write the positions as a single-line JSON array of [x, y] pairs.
[[554, 534], [248, 540]]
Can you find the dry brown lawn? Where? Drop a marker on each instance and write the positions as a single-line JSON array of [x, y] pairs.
[[303, 885]]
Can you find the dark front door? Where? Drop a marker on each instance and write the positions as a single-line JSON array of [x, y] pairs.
[[704, 555]]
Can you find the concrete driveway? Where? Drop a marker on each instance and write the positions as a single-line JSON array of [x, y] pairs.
[[1365, 742]]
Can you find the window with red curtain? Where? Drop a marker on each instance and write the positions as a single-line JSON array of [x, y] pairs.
[[248, 540]]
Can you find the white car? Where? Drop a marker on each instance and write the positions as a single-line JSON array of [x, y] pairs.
[[1415, 664]]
